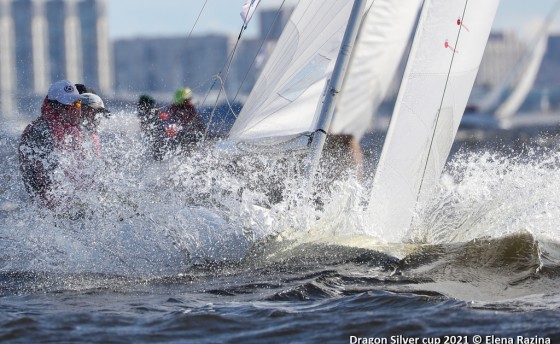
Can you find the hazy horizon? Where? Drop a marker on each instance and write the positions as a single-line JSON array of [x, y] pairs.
[[147, 18]]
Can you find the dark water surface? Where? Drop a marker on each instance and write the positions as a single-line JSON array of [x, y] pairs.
[[360, 293]]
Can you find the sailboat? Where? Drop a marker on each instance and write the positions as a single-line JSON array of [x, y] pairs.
[[292, 103], [495, 112], [283, 111]]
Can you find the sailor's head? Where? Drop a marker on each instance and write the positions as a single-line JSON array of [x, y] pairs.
[[182, 95], [145, 102], [65, 99], [92, 107]]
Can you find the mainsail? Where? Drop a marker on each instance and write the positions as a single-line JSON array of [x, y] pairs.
[[441, 69], [383, 38], [285, 101]]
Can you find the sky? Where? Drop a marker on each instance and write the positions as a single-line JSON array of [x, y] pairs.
[[152, 18]]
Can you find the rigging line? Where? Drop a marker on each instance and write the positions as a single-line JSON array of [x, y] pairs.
[[440, 106], [193, 27], [271, 114], [258, 51], [228, 64], [196, 21], [227, 67], [222, 82], [254, 59], [216, 79]]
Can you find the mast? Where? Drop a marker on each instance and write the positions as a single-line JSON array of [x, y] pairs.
[[333, 88]]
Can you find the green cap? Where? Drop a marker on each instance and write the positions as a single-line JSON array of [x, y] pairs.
[[181, 95]]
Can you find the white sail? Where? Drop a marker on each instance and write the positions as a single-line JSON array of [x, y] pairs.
[[382, 40], [285, 100], [442, 66], [526, 82]]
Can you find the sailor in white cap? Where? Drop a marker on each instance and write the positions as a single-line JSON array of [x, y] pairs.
[[63, 97], [55, 134]]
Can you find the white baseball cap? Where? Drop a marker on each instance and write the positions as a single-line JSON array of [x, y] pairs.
[[93, 101], [63, 91]]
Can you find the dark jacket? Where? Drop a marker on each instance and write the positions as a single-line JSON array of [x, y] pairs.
[[179, 126], [40, 147]]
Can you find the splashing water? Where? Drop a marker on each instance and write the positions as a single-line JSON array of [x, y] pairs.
[[491, 194], [136, 216], [128, 214]]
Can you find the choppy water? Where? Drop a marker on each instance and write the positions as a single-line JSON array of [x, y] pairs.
[[197, 249]]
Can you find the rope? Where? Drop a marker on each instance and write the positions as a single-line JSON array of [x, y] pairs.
[[230, 108], [259, 50], [254, 59], [196, 21], [227, 67]]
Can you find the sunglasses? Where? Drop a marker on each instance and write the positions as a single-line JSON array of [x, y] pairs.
[[77, 104]]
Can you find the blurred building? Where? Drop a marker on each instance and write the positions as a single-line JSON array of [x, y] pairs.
[[96, 47], [148, 64], [48, 40], [165, 64], [32, 67], [161, 65], [245, 67], [64, 39], [204, 57], [504, 63], [7, 59], [272, 22]]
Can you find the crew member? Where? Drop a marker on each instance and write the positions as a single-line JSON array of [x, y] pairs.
[[93, 109], [55, 134], [180, 125]]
